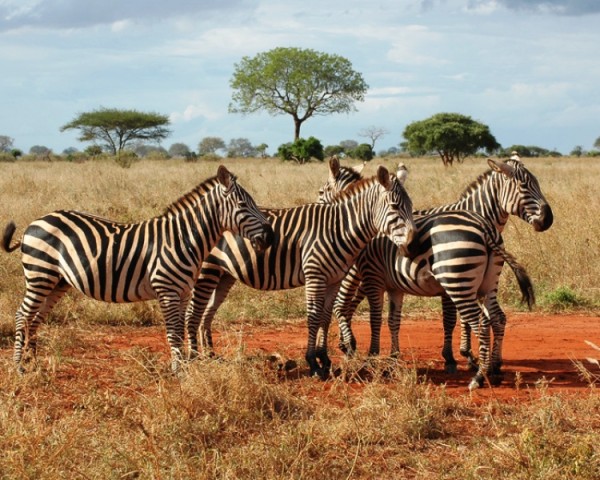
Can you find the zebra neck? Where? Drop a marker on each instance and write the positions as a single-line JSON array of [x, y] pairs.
[[195, 227], [488, 208], [482, 197], [358, 217]]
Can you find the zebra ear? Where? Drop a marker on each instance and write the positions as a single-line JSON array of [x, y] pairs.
[[383, 177], [224, 176], [501, 167], [334, 166], [359, 168], [402, 173]]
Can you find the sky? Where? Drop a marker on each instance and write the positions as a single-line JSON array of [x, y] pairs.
[[529, 69]]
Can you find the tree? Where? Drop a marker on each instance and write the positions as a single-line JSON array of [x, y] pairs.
[[348, 145], [577, 151], [452, 135], [597, 143], [302, 150], [373, 134], [240, 147], [179, 150], [6, 143], [262, 150], [114, 128], [210, 145], [363, 152], [40, 150], [297, 82]]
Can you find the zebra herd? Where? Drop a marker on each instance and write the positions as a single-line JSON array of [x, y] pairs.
[[361, 239]]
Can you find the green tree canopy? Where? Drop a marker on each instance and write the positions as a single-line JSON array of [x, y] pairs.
[[301, 150], [114, 128], [452, 135], [297, 82]]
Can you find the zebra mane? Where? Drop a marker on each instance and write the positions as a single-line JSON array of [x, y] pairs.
[[350, 173], [192, 196], [359, 186], [481, 179]]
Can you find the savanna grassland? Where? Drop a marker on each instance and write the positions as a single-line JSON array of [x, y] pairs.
[[88, 409]]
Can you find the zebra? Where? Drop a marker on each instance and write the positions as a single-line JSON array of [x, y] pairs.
[[129, 262], [314, 245], [508, 188], [454, 259]]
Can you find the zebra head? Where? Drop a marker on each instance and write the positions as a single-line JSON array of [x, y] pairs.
[[240, 213], [394, 216], [521, 194], [339, 179]]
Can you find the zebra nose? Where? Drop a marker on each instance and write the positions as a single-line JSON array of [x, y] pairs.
[[264, 239], [545, 220]]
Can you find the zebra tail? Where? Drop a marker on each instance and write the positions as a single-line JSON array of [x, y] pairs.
[[523, 278], [9, 231]]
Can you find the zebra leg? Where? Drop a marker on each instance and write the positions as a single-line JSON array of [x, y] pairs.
[[202, 301], [217, 299], [171, 306], [375, 291], [315, 299], [498, 320], [51, 300], [40, 296], [347, 300], [321, 343], [396, 299], [449, 321], [466, 348], [470, 313]]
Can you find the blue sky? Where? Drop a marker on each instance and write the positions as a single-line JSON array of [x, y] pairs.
[[528, 69]]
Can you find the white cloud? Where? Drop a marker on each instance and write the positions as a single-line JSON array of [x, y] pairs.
[[193, 112]]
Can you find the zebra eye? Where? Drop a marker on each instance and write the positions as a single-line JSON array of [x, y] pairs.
[[242, 204]]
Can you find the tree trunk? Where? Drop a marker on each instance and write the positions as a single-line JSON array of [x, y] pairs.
[[297, 124]]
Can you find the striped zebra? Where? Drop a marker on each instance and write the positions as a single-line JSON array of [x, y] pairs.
[[129, 262], [314, 245], [454, 259], [509, 188]]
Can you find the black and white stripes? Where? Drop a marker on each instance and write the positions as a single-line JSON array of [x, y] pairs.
[[314, 245], [118, 262]]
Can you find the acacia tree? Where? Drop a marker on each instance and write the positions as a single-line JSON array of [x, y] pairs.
[[114, 128], [452, 135], [297, 82]]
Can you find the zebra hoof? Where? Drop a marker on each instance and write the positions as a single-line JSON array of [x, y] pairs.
[[320, 373], [451, 368], [476, 382]]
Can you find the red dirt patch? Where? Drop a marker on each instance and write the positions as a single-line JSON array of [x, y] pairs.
[[537, 349]]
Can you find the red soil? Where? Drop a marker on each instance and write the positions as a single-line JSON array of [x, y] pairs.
[[537, 349]]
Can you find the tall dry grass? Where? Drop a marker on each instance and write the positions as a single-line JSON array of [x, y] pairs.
[[81, 416], [563, 262]]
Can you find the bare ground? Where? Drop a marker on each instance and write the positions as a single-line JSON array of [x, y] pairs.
[[539, 354]]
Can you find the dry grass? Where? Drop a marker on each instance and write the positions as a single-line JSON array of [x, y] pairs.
[[237, 418], [86, 414]]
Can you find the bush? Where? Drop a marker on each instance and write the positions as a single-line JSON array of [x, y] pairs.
[[563, 298], [6, 157], [363, 152], [302, 150]]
